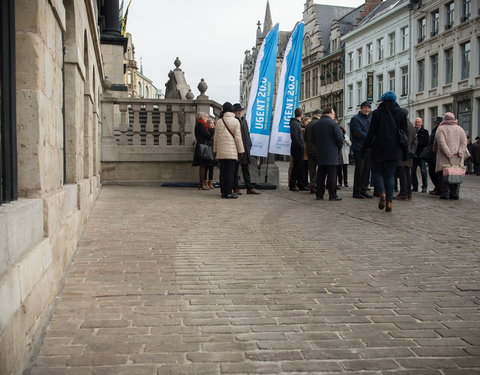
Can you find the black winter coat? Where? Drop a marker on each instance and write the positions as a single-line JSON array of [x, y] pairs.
[[247, 141], [328, 140], [422, 136], [205, 137], [296, 147], [382, 137]]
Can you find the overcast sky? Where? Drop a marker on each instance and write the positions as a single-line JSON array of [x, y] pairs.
[[209, 36]]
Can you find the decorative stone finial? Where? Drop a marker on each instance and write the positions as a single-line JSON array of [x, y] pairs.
[[202, 87], [190, 95], [177, 63]]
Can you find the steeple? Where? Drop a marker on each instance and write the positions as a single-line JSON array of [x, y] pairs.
[[267, 24], [259, 33]]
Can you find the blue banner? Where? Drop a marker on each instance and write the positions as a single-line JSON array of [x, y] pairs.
[[288, 96], [260, 101]]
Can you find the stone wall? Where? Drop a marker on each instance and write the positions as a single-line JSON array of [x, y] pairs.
[[43, 227]]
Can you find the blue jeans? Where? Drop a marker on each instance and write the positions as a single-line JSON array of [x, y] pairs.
[[383, 175]]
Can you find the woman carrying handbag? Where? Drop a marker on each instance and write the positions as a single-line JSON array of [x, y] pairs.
[[203, 156]]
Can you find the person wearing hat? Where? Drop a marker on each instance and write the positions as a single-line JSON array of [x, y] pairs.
[[311, 151], [428, 154], [296, 182], [359, 125], [386, 150], [244, 161], [418, 162], [228, 145]]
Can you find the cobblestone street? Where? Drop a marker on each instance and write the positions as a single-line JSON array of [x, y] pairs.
[[178, 281]]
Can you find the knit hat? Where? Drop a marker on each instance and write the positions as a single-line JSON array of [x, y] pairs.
[[389, 96], [227, 107], [449, 116]]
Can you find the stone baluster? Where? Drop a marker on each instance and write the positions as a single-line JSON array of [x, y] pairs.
[[189, 124], [123, 123], [175, 139], [162, 139], [136, 125], [162, 126], [175, 123], [149, 125]]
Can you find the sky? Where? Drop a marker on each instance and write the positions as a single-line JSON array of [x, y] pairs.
[[209, 36]]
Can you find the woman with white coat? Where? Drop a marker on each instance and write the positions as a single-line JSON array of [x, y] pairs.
[[342, 170], [228, 145]]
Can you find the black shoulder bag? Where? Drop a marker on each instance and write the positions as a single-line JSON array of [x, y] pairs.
[[401, 135]]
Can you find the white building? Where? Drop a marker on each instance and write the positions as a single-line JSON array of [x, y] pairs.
[[377, 57], [446, 67]]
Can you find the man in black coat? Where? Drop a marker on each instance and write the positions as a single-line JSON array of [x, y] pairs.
[[244, 161], [296, 152], [328, 140], [311, 151], [422, 137]]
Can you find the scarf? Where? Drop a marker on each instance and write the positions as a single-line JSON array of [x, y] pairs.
[[204, 124]]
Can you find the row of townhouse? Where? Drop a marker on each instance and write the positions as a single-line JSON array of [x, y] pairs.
[[426, 51]]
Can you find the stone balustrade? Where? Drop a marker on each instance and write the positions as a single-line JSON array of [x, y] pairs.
[[150, 140]]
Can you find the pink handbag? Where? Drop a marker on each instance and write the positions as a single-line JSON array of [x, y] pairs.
[[453, 174]]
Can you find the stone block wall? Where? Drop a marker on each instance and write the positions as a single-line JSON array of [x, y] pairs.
[[40, 231]]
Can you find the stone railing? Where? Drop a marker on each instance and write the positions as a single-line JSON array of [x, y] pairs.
[[150, 140]]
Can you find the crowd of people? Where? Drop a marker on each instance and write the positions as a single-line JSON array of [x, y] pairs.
[[387, 150], [386, 147]]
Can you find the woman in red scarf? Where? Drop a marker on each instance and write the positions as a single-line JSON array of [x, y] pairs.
[[204, 135]]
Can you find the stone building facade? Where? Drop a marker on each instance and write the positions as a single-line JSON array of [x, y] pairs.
[[446, 64], [323, 53], [139, 85], [54, 64], [377, 57]]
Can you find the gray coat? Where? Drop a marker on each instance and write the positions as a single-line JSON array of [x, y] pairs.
[[328, 140], [412, 146]]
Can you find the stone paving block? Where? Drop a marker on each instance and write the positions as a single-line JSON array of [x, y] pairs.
[[268, 296]]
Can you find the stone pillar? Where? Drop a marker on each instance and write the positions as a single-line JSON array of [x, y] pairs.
[[111, 14]]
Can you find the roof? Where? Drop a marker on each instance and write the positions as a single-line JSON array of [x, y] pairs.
[[382, 8], [325, 16]]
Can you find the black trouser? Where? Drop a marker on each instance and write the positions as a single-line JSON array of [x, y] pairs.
[[305, 173], [312, 169], [447, 190], [433, 176], [405, 177], [417, 162], [361, 177], [246, 176], [227, 169], [296, 177], [342, 173], [330, 173]]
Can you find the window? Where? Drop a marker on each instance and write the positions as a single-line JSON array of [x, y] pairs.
[[307, 85], [422, 26], [302, 88], [380, 49], [315, 82], [350, 61], [359, 57], [464, 60], [404, 71], [448, 108], [350, 96], [434, 71], [380, 85], [435, 17], [448, 65], [359, 92], [369, 53], [433, 112], [421, 75], [391, 80], [421, 113], [449, 14], [466, 10], [391, 44], [404, 36]]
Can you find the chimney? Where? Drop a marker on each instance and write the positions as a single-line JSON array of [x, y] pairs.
[[369, 6]]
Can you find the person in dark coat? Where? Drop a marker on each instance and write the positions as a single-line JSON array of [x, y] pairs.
[[244, 161], [296, 152], [204, 134], [328, 140], [359, 125], [404, 167], [418, 162], [311, 151], [431, 158], [386, 150], [476, 155]]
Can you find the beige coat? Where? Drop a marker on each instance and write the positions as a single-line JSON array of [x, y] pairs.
[[450, 139], [224, 144]]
